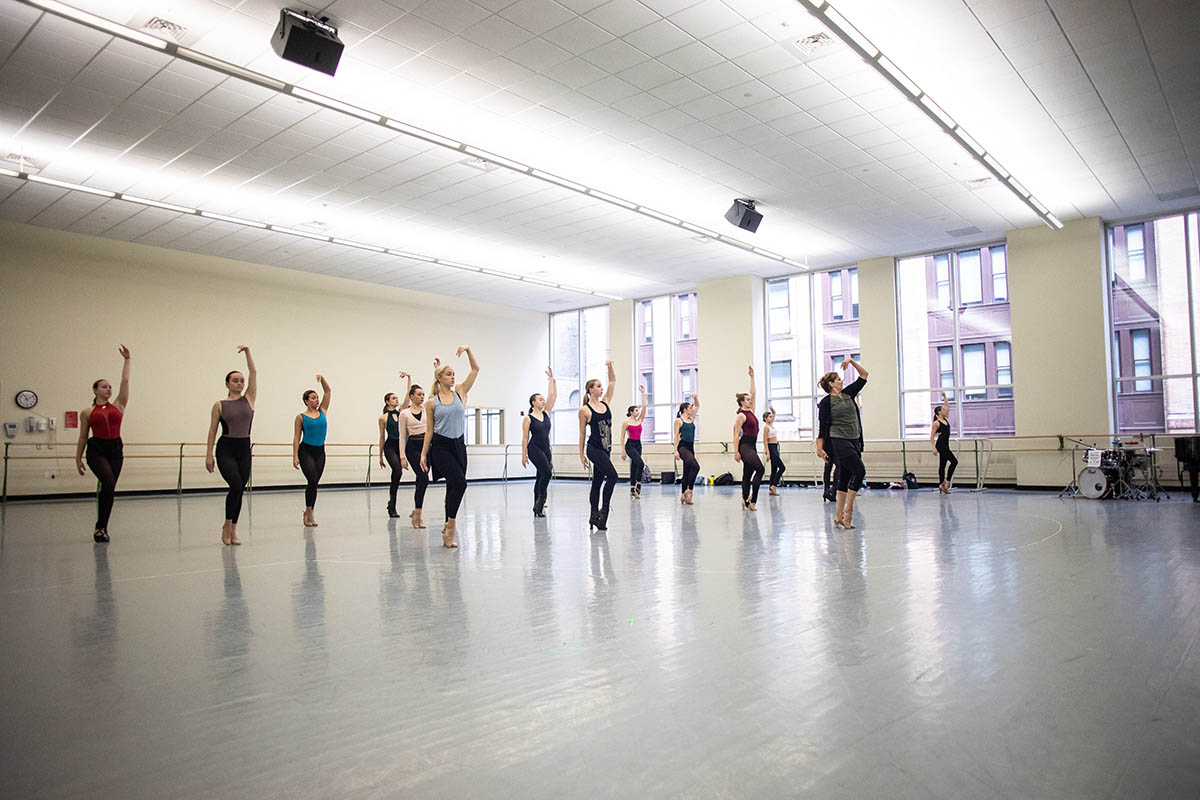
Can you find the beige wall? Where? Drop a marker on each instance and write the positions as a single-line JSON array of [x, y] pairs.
[[1060, 340], [880, 347], [68, 300]]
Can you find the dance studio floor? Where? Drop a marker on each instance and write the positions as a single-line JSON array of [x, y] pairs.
[[1000, 645]]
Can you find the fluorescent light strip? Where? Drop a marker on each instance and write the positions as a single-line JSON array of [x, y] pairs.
[[608, 198], [336, 105], [250, 223], [99, 23], [563, 182], [650, 212], [421, 133], [74, 187], [233, 70], [874, 57]]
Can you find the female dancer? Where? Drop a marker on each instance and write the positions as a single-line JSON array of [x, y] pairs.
[[685, 446], [389, 441], [840, 428], [771, 446], [598, 448], [535, 442], [308, 445], [939, 437], [445, 446], [235, 415], [412, 436], [105, 452], [631, 445], [745, 434]]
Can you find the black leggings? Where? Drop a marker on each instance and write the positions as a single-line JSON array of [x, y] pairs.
[[391, 451], [830, 480], [448, 458], [691, 467], [752, 468], [777, 465], [945, 457], [850, 467], [412, 454], [233, 460], [541, 460], [312, 464], [604, 475], [633, 449], [104, 459]]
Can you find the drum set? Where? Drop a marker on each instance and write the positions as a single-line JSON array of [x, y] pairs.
[[1125, 471]]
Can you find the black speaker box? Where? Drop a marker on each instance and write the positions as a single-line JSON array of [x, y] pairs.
[[307, 41], [743, 215]]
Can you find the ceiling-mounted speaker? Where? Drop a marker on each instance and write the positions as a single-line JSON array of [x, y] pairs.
[[307, 41], [742, 214]]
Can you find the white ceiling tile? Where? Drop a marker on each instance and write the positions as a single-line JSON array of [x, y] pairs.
[[706, 18], [658, 38], [621, 17], [537, 16]]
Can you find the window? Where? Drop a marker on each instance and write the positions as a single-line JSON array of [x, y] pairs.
[[470, 431], [781, 387], [970, 284], [835, 361], [835, 294], [779, 311], [1140, 344], [999, 273], [947, 346], [1135, 248], [854, 293], [578, 350], [666, 358], [1154, 310], [974, 371], [1004, 369], [942, 266], [946, 367], [685, 315]]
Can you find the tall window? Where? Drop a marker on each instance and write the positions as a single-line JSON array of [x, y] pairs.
[[808, 334], [667, 358], [485, 426], [578, 350], [955, 330], [1154, 295]]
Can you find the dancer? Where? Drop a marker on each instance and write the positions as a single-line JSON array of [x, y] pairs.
[[235, 414], [771, 446], [840, 428], [684, 439], [105, 451], [412, 437], [631, 445], [445, 445], [598, 448], [389, 441], [535, 442], [308, 445], [745, 437], [939, 437]]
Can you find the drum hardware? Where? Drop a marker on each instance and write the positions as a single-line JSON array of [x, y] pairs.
[[1126, 471]]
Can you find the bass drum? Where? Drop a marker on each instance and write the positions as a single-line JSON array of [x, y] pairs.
[[1093, 483]]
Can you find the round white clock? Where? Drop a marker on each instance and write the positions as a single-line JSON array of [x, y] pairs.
[[26, 398]]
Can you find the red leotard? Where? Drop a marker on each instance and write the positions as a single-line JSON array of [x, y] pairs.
[[105, 421]]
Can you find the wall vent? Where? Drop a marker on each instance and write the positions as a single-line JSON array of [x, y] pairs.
[[164, 27], [963, 231], [1179, 194], [481, 164], [811, 44], [23, 162]]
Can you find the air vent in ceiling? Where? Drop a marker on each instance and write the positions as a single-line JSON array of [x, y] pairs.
[[702, 239], [23, 162], [812, 44], [165, 27], [964, 231], [481, 164], [979, 183], [1166, 197]]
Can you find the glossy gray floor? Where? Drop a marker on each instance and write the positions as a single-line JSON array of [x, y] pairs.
[[999, 645]]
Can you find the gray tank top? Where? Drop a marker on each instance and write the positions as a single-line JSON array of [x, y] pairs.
[[236, 416], [843, 417]]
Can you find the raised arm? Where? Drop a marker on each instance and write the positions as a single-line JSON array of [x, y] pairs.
[[753, 390], [465, 385], [862, 372], [551, 390], [612, 382], [406, 400], [251, 375], [946, 405], [85, 421], [213, 422], [382, 437], [123, 392], [325, 392], [696, 402], [641, 416]]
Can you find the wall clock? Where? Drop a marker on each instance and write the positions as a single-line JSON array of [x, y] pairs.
[[26, 398]]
